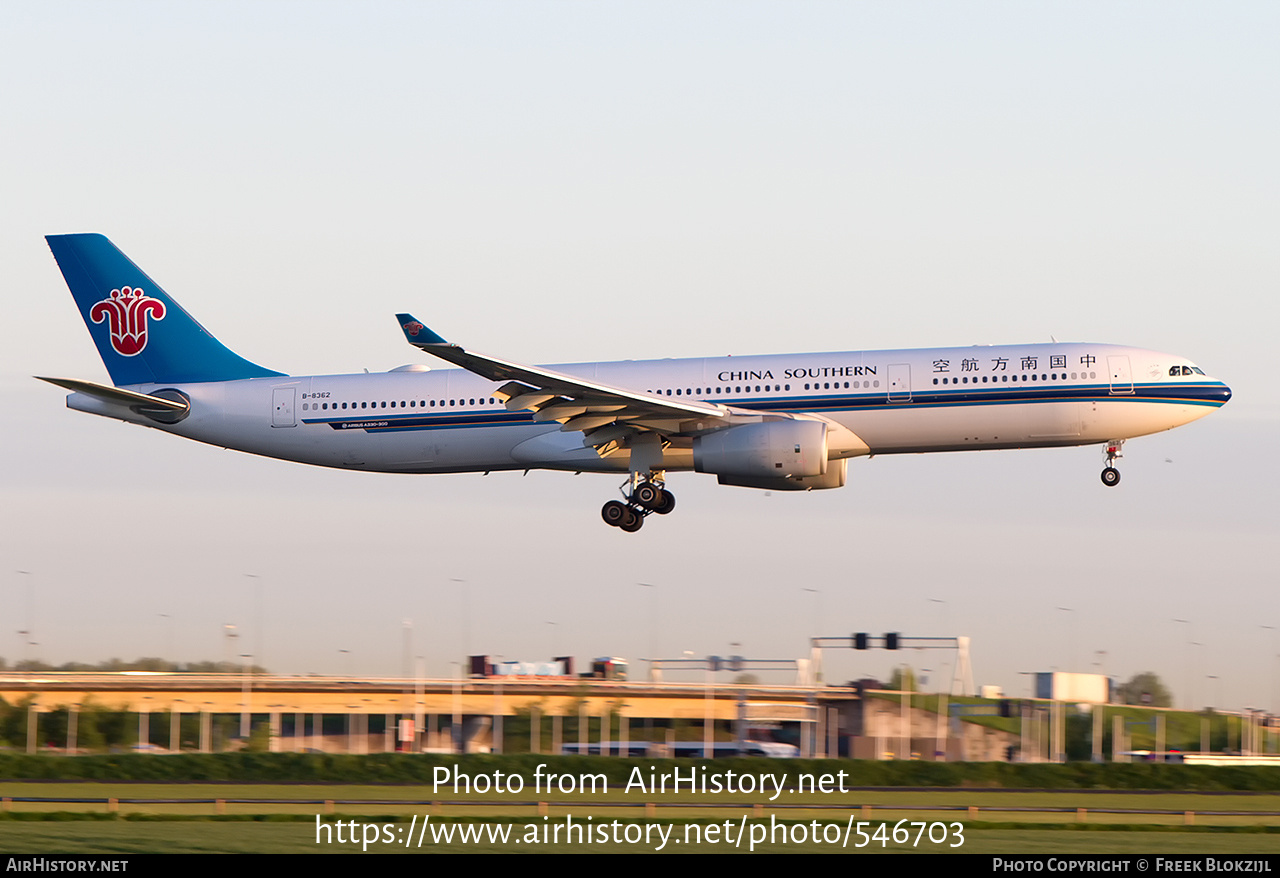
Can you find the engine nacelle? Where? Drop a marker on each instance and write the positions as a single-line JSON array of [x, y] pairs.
[[834, 477], [767, 450]]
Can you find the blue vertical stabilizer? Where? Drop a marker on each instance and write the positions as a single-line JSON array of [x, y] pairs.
[[143, 336]]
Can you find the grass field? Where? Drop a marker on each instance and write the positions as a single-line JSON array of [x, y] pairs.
[[262, 827], [202, 836]]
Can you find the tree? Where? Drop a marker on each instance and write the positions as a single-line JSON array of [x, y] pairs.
[[1145, 689], [259, 739], [903, 679], [88, 735]]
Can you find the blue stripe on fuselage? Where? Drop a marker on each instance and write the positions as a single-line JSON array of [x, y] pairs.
[[1207, 394]]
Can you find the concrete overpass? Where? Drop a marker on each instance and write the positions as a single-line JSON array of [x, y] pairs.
[[287, 702], [333, 714]]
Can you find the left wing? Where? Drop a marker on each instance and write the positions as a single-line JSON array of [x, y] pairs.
[[606, 415]]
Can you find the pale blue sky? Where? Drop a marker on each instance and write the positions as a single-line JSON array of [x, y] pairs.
[[555, 182]]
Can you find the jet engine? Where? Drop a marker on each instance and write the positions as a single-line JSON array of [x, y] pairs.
[[771, 450], [834, 477]]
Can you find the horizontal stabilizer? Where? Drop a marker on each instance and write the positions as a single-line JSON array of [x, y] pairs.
[[118, 396]]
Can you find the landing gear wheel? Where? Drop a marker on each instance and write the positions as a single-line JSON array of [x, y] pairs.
[[615, 513], [1111, 477], [648, 495], [634, 524], [666, 504]]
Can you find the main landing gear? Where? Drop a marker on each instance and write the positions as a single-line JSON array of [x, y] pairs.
[[1111, 475], [644, 495]]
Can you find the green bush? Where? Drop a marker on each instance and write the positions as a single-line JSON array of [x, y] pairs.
[[402, 768]]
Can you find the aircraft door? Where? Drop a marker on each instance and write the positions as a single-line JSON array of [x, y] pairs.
[[900, 382], [282, 405], [1121, 377]]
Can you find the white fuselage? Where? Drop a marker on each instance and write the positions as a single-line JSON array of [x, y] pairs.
[[942, 399]]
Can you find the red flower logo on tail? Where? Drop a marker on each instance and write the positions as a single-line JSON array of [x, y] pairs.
[[413, 328], [127, 309]]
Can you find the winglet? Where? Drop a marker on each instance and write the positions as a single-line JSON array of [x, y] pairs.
[[415, 333]]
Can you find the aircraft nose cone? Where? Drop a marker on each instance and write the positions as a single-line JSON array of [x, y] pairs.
[[1226, 394]]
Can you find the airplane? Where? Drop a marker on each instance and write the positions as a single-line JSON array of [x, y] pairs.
[[774, 422]]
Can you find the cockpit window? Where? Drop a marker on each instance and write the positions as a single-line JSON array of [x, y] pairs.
[[1175, 370]]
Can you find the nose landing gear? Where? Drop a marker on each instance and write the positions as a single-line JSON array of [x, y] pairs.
[[644, 495], [1111, 475]]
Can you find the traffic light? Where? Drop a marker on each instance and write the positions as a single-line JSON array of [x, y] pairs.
[[860, 640], [891, 640]]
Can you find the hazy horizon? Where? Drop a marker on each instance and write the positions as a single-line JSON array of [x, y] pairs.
[[559, 182]]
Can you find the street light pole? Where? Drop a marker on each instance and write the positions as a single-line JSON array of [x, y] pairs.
[[1271, 660], [466, 618], [1071, 610], [653, 594], [228, 647], [245, 696], [27, 631], [1187, 664], [257, 614]]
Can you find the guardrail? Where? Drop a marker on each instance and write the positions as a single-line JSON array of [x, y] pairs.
[[650, 809]]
